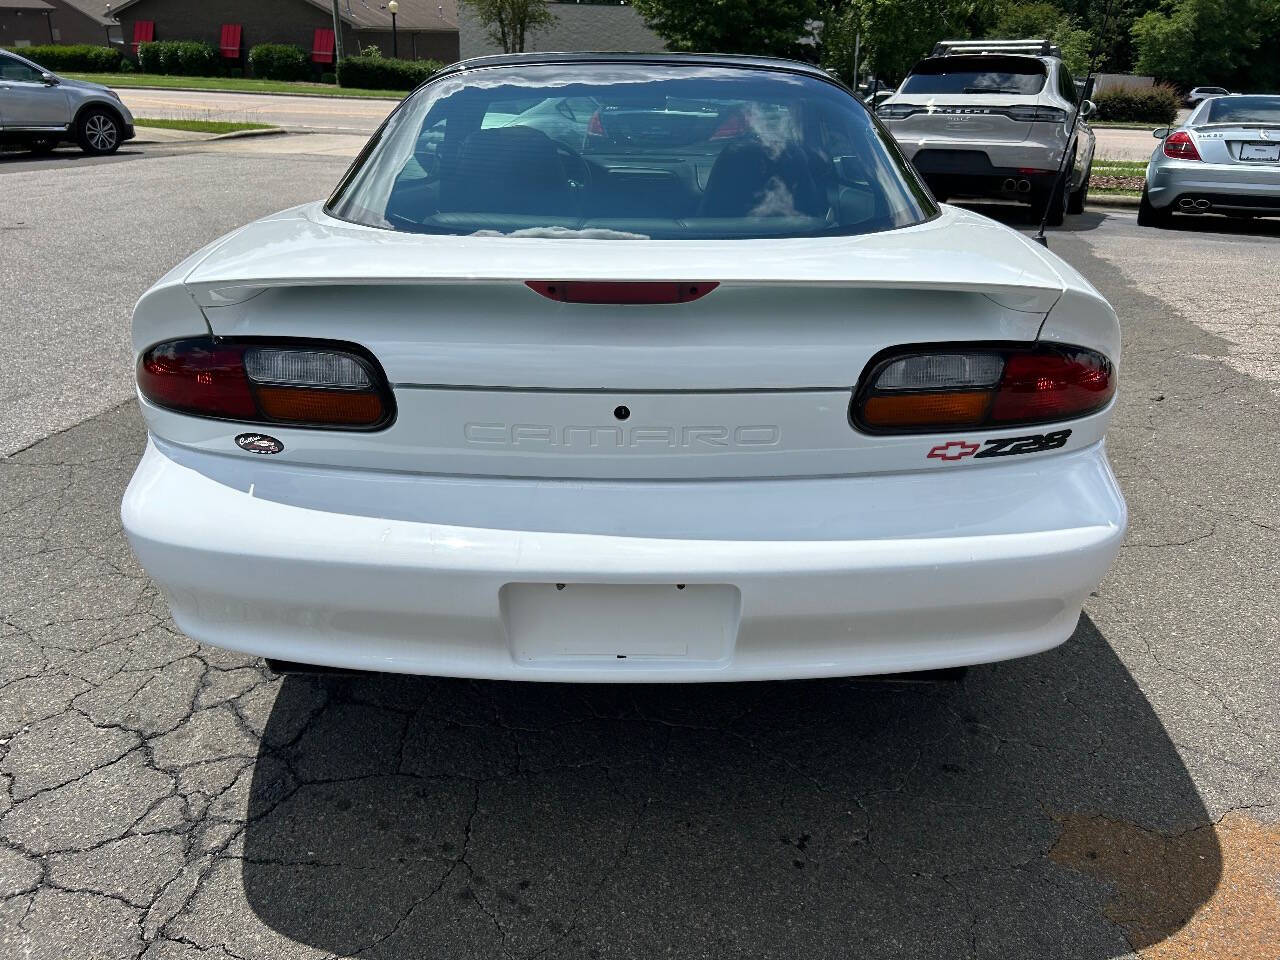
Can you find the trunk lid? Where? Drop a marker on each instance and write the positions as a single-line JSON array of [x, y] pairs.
[[492, 378]]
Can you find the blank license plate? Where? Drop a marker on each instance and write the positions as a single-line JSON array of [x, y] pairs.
[[1260, 151], [620, 622]]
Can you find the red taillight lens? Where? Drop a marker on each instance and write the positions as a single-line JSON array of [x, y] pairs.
[[1180, 146], [304, 385], [594, 126], [937, 391], [734, 125], [197, 376], [1052, 385], [591, 291]]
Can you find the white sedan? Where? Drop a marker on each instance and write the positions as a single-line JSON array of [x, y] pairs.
[[716, 392]]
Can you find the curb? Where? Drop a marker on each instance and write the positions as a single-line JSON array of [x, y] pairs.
[[1123, 203], [143, 139], [239, 134]]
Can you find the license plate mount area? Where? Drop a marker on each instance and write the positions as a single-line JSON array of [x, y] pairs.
[[621, 623]]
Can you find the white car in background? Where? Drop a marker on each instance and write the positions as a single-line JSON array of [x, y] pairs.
[[996, 118], [724, 396]]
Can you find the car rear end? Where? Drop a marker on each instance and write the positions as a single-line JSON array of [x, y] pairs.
[[986, 125], [1225, 159], [583, 454]]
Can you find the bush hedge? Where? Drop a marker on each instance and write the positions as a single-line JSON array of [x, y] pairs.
[[1158, 104], [179, 58], [385, 73], [82, 58], [279, 61]]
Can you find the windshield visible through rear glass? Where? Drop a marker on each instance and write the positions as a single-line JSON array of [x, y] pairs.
[[1244, 110], [961, 75], [628, 150]]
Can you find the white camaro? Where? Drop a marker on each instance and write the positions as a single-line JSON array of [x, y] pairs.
[[679, 375]]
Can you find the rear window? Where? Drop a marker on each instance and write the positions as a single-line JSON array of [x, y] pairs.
[[960, 75], [1244, 110], [613, 150]]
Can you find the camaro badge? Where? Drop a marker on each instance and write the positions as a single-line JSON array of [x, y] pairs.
[[259, 443]]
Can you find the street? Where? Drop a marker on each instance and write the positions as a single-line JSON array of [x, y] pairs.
[[1115, 797]]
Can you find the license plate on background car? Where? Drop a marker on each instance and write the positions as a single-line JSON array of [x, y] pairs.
[[620, 622], [1260, 151]]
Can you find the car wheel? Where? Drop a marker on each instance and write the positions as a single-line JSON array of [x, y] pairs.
[[98, 132], [1055, 201], [1149, 216], [42, 146], [1076, 202]]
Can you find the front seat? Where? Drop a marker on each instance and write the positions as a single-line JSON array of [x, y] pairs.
[[749, 179], [514, 170]]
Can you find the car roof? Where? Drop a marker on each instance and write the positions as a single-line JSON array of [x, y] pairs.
[[672, 59]]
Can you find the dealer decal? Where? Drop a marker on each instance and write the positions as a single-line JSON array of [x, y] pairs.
[[954, 450]]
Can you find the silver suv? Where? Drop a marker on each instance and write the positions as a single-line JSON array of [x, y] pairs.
[[40, 110], [990, 118]]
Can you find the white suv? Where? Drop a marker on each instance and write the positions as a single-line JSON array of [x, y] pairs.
[[986, 118]]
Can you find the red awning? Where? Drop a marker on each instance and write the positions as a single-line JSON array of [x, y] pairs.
[[144, 31], [230, 43], [322, 48]]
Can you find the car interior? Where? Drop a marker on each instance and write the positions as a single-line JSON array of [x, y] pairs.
[[659, 167]]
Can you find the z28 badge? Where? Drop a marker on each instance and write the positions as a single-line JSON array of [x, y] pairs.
[[954, 450]]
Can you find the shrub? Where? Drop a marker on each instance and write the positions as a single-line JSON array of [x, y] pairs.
[[328, 78], [385, 73], [178, 58], [279, 61], [82, 58], [1158, 104]]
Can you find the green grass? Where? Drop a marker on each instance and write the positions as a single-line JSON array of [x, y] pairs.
[[232, 85], [1120, 168], [200, 126]]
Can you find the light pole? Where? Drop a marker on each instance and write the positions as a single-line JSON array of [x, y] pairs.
[[395, 48]]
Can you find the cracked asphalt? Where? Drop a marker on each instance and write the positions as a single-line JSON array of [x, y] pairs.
[[1115, 797]]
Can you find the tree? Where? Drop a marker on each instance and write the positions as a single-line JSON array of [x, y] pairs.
[[896, 33], [509, 20], [1193, 42], [765, 27], [1047, 21]]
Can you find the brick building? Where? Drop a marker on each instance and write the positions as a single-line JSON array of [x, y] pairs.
[[426, 29]]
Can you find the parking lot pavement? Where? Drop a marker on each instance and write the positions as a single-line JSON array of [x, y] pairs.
[[1111, 798]]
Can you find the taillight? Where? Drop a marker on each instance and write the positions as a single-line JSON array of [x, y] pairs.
[[1034, 114], [734, 125], [328, 385], [595, 128], [1180, 146], [896, 111], [929, 390]]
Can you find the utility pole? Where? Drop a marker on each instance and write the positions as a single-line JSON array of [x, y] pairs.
[[337, 35]]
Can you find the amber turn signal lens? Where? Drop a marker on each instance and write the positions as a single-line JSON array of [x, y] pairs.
[[345, 407], [907, 410]]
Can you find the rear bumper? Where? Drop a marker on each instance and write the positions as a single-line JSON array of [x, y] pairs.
[[985, 564], [1008, 170], [1227, 186]]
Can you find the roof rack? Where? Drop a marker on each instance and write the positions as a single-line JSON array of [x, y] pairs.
[[1034, 48]]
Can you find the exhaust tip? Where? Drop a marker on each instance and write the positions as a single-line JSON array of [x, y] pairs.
[[1186, 203], [1203, 204], [1024, 186], [1010, 185]]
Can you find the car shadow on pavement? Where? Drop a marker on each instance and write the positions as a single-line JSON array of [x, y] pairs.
[[409, 817], [1019, 216]]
